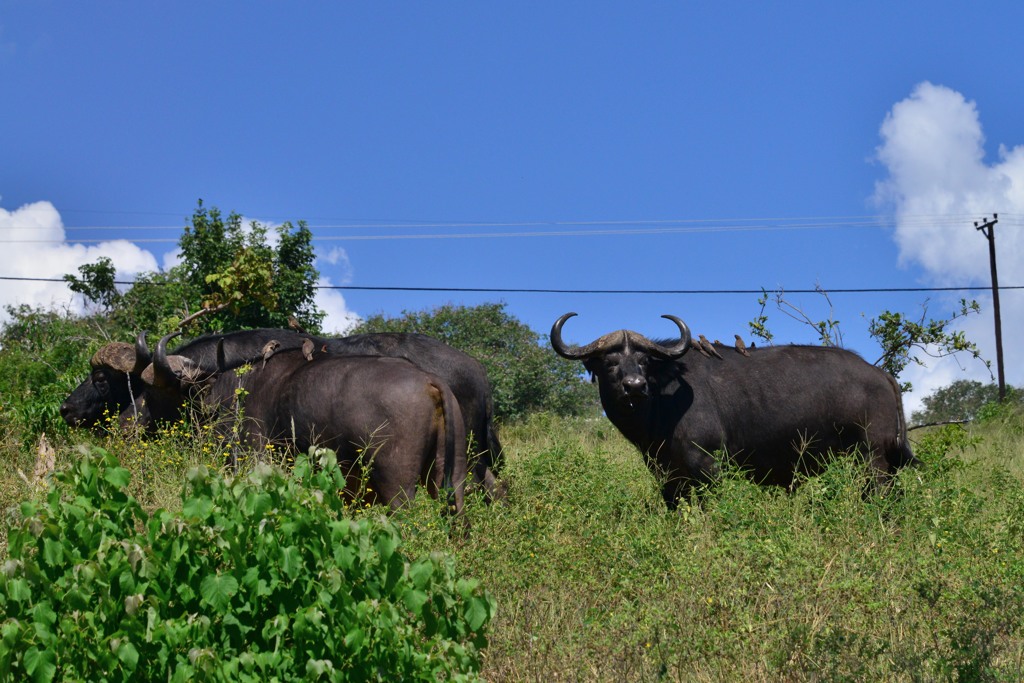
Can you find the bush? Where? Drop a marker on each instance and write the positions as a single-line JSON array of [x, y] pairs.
[[264, 577], [526, 377]]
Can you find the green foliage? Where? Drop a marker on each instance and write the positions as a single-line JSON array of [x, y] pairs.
[[96, 283], [226, 266], [962, 400], [525, 376], [43, 356], [264, 577], [828, 330], [153, 303], [597, 581], [905, 341]]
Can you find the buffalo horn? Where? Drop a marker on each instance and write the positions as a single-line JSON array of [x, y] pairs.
[[680, 347], [559, 346], [170, 372], [622, 337], [142, 355], [163, 373]]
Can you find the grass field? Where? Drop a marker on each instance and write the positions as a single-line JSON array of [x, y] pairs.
[[596, 581]]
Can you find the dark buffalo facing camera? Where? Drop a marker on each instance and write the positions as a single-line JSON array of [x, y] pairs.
[[774, 412]]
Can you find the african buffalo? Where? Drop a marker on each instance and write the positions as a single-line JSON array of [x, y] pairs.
[[115, 386], [387, 413], [774, 413], [464, 375]]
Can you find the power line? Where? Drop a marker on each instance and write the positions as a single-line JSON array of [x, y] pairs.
[[514, 290], [577, 228]]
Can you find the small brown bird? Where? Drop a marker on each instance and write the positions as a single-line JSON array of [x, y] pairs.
[[708, 346], [741, 347], [696, 345], [307, 348], [294, 324], [268, 350]]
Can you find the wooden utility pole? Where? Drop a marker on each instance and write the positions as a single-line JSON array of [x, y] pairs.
[[988, 229]]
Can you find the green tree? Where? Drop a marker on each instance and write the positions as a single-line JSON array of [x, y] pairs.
[[96, 283], [903, 340], [964, 399], [226, 268], [236, 273], [43, 356], [526, 377]]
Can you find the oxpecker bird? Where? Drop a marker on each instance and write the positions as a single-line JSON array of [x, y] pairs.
[[268, 350], [294, 324], [307, 348], [694, 344], [708, 347], [741, 347]]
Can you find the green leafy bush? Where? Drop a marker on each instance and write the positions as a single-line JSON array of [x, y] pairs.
[[265, 577]]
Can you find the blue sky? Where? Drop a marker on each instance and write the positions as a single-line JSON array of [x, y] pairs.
[[556, 145]]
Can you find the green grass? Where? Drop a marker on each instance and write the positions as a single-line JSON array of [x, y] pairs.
[[596, 581]]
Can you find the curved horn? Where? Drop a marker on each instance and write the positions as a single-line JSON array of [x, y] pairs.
[[679, 348], [556, 340], [222, 362], [163, 373], [143, 357]]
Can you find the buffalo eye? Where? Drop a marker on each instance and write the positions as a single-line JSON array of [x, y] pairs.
[[100, 383]]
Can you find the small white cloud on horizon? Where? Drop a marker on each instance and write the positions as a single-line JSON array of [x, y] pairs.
[[339, 319], [933, 149], [50, 256]]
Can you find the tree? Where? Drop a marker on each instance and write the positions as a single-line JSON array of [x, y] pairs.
[[96, 283], [903, 340], [961, 400], [234, 271], [525, 376], [226, 268]]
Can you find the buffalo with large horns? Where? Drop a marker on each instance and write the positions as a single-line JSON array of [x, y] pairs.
[[399, 422], [777, 413], [115, 385]]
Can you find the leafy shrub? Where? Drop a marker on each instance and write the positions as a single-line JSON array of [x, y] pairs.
[[264, 577], [526, 377]]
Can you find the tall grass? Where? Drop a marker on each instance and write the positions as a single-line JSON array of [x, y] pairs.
[[596, 581]]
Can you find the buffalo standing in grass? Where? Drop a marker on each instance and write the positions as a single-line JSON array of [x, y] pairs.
[[115, 385], [778, 412], [400, 422]]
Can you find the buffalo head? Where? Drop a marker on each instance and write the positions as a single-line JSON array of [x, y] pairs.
[[619, 360], [112, 386]]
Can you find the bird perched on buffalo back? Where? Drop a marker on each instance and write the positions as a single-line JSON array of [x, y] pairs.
[[694, 344], [741, 347], [708, 347], [268, 350]]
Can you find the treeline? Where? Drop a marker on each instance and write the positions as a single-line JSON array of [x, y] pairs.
[[242, 279]]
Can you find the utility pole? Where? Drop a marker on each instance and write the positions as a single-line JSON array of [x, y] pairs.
[[988, 229]]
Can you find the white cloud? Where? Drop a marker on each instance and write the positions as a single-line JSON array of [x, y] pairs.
[[339, 318], [33, 245], [939, 183]]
